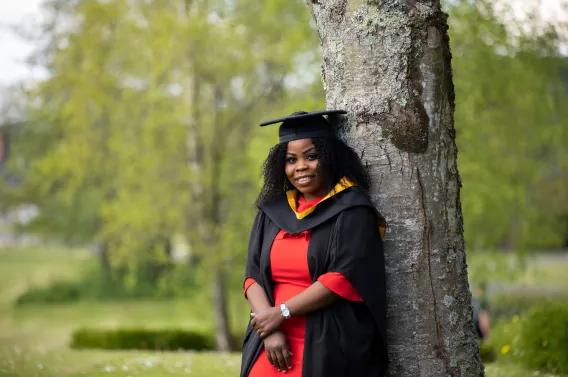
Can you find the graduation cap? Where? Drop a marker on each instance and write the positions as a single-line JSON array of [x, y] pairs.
[[303, 125]]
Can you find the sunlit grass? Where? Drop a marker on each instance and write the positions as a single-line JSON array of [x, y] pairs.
[[25, 362], [546, 271]]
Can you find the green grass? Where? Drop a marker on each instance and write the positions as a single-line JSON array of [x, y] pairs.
[[34, 339], [26, 267], [550, 276], [509, 370], [546, 271], [23, 362]]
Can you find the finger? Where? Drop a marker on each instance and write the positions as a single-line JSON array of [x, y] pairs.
[[253, 315], [288, 357], [269, 356], [281, 361], [264, 334], [253, 322]]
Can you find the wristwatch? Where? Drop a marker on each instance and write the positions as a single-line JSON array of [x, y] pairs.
[[285, 311]]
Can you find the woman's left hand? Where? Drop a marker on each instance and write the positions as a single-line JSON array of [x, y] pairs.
[[267, 321]]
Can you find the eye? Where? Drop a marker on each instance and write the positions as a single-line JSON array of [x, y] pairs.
[[290, 160], [313, 157]]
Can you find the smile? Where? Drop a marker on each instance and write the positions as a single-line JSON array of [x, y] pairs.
[[305, 179]]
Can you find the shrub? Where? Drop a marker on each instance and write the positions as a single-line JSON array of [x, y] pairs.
[[505, 338], [141, 339], [543, 341], [57, 292], [487, 353], [96, 286], [537, 339]]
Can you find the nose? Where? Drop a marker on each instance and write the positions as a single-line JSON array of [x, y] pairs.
[[301, 166]]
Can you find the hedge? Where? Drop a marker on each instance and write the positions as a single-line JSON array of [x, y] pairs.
[[141, 339]]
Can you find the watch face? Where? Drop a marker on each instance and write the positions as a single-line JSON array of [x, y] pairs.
[[286, 312]]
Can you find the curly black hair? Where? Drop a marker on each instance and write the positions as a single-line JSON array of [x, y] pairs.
[[335, 159]]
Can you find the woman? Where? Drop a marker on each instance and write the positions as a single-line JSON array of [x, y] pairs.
[[315, 270]]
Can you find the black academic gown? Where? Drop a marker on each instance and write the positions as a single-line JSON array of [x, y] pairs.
[[346, 339]]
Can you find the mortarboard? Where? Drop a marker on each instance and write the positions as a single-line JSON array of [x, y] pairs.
[[303, 125]]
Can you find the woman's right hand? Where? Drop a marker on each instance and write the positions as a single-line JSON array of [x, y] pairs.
[[278, 351]]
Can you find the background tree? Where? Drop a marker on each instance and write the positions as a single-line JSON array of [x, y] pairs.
[[142, 129], [510, 122]]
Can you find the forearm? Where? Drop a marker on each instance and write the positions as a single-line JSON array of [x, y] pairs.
[[257, 298], [313, 298]]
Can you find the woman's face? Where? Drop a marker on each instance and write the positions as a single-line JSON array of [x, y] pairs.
[[302, 169]]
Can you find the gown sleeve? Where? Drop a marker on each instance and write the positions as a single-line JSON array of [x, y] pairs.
[[338, 284], [252, 269], [358, 255]]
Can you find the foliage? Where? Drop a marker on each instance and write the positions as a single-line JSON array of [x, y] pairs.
[[511, 86], [543, 340], [537, 339], [144, 128], [125, 146], [58, 292], [505, 338], [487, 353], [95, 285], [141, 339]]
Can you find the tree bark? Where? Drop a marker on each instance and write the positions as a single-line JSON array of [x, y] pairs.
[[223, 338], [104, 260], [388, 63]]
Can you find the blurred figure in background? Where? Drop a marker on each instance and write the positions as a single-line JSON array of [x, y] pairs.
[[481, 312]]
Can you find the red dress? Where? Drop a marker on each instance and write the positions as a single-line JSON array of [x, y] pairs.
[[291, 275]]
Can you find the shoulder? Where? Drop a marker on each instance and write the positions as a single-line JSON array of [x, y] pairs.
[[357, 216], [356, 203], [259, 221], [362, 211]]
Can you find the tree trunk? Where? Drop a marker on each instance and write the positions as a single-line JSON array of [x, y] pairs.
[[388, 64], [223, 341], [104, 260], [204, 213]]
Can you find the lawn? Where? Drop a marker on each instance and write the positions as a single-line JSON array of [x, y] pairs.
[[33, 339]]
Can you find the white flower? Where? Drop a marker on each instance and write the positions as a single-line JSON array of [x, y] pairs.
[[109, 368]]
